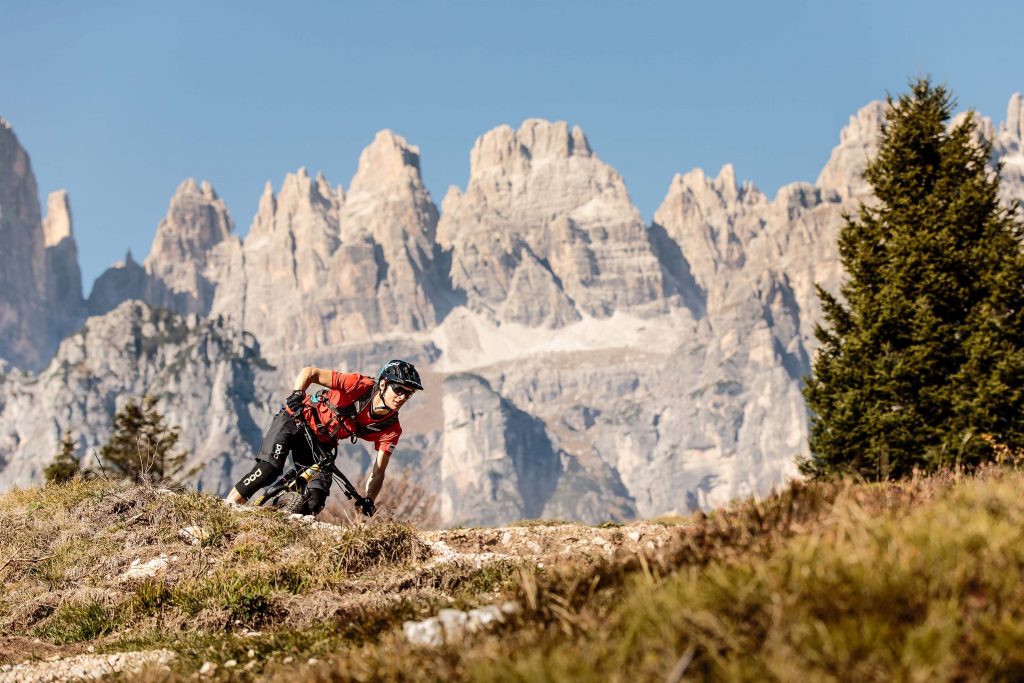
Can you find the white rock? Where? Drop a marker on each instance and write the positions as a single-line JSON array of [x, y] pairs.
[[142, 570], [427, 632], [452, 625]]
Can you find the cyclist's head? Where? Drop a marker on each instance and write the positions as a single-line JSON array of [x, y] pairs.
[[397, 382], [401, 373]]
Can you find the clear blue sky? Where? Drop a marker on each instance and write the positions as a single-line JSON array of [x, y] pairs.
[[120, 101]]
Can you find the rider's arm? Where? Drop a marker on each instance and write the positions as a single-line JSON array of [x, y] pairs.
[[309, 375], [376, 480]]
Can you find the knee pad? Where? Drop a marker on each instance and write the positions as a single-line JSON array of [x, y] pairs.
[[262, 474]]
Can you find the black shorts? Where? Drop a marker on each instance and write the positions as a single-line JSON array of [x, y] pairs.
[[284, 437]]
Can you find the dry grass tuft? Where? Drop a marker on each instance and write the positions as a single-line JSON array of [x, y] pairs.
[[363, 548]]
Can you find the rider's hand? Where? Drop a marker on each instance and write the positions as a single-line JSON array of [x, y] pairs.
[[366, 506], [293, 404]]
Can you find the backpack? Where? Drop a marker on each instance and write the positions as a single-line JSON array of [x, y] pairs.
[[333, 428]]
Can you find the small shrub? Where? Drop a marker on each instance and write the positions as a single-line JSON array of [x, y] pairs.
[[363, 548], [142, 447], [248, 600], [195, 509], [150, 597], [65, 465], [78, 622]]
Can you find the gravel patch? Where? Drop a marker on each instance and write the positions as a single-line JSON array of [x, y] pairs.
[[83, 667]]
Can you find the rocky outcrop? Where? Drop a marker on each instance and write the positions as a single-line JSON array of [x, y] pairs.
[[206, 374], [177, 273], [858, 144], [63, 275], [1008, 147], [579, 365], [39, 273], [23, 316], [390, 210], [545, 232], [498, 464], [197, 220], [124, 281], [340, 269]]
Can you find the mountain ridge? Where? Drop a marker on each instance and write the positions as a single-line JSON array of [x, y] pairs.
[[658, 366]]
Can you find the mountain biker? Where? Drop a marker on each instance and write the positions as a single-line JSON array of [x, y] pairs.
[[351, 406]]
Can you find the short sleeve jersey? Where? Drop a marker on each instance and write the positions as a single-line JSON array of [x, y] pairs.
[[344, 390]]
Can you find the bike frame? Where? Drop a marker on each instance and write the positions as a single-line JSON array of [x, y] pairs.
[[326, 462], [322, 459]]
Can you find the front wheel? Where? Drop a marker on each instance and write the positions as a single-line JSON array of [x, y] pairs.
[[289, 502]]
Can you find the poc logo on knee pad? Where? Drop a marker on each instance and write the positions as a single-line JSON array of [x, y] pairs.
[[278, 448], [253, 477]]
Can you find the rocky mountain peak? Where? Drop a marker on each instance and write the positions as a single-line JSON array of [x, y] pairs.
[[536, 140], [263, 221], [546, 231], [57, 224], [1014, 124], [324, 188], [858, 143], [722, 191], [18, 190], [340, 265], [63, 275], [725, 183], [300, 194], [1009, 149], [305, 210], [197, 220], [388, 160], [24, 325], [544, 139]]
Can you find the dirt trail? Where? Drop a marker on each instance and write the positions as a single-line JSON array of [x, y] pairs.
[[549, 543]]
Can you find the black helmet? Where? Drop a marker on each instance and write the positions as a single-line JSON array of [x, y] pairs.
[[402, 373]]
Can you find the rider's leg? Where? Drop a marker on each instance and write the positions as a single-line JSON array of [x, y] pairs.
[[262, 474], [316, 499], [277, 442], [317, 488]]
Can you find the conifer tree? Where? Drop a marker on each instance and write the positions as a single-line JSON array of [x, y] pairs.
[[65, 466], [142, 445], [924, 351]]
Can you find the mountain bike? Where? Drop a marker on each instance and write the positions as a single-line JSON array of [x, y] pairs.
[[288, 493]]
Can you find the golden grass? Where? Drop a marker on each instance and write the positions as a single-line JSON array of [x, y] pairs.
[[915, 580]]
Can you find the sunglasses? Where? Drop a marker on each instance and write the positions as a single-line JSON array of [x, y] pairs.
[[402, 391]]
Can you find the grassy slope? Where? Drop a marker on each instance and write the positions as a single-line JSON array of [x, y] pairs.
[[917, 581]]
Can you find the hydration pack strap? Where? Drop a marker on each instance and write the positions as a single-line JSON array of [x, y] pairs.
[[350, 412]]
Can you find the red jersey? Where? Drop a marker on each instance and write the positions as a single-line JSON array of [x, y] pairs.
[[321, 412]]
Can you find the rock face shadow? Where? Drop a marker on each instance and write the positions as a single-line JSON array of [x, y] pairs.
[[678, 276], [537, 464]]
